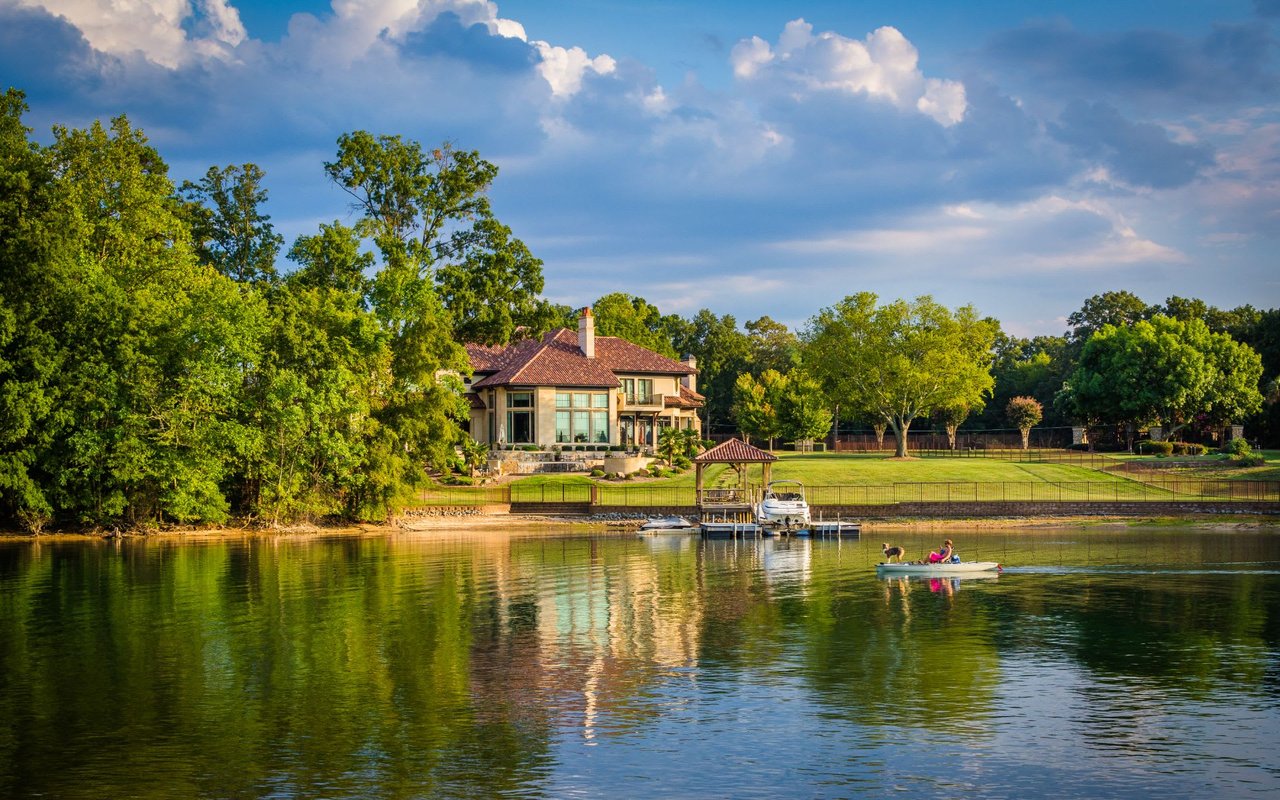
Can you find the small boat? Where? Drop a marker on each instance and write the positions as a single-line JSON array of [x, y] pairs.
[[672, 524], [941, 568], [783, 506]]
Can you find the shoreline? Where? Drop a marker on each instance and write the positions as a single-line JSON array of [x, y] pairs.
[[557, 525]]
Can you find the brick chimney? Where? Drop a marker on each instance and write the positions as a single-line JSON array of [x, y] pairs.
[[587, 333], [690, 382]]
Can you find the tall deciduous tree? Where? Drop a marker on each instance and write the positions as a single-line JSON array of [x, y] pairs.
[[901, 360], [230, 230], [151, 345], [1109, 308], [429, 215], [755, 405], [425, 213], [634, 319], [804, 413], [773, 346], [723, 353]]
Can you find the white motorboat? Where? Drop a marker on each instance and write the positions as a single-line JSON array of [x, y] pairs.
[[940, 568], [671, 524], [783, 506]]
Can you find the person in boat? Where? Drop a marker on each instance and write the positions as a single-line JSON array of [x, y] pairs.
[[940, 556]]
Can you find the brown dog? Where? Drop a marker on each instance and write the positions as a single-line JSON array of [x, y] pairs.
[[893, 551]]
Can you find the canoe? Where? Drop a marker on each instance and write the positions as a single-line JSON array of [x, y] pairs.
[[964, 567]]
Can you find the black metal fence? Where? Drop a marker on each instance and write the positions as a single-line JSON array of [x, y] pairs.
[[1155, 489]]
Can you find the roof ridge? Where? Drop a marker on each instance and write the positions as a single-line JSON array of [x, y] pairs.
[[537, 353]]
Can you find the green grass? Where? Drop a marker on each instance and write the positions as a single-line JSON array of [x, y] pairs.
[[844, 478], [840, 469]]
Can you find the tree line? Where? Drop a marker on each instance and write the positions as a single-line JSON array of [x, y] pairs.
[[164, 358]]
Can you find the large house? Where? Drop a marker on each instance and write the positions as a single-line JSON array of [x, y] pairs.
[[568, 388]]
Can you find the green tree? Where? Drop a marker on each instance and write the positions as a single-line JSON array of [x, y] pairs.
[[224, 212], [901, 360], [723, 352], [1163, 370], [411, 205], [755, 405], [491, 285], [332, 259], [803, 414], [314, 401], [1024, 413], [634, 319], [773, 346], [429, 215], [1108, 308]]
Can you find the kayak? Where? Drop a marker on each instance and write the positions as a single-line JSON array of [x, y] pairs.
[[963, 568]]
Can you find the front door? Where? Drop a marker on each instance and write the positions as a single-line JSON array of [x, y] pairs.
[[646, 430], [627, 429]]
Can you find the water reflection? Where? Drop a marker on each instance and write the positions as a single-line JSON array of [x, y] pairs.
[[1099, 663]]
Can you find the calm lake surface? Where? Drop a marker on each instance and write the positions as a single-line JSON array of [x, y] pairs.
[[1102, 663]]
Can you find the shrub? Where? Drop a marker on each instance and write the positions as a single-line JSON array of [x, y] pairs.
[[1237, 448], [614, 448], [1152, 447], [1189, 449], [637, 474], [682, 463], [597, 473]]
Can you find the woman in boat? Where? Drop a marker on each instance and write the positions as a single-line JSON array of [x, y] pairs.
[[942, 555]]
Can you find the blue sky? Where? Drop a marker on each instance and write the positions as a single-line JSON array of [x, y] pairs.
[[749, 157]]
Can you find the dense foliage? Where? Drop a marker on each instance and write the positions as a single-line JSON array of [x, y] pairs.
[[155, 367]]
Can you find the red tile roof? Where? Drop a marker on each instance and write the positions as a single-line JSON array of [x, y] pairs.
[[686, 399], [556, 360], [734, 451]]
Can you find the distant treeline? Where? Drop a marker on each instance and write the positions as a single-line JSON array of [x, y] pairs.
[[158, 366]]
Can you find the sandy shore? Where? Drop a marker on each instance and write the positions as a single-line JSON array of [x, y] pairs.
[[559, 525]]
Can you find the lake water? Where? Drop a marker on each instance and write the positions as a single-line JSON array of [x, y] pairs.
[[1102, 663]]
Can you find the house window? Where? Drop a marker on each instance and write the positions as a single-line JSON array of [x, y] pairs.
[[520, 422], [577, 422], [639, 391]]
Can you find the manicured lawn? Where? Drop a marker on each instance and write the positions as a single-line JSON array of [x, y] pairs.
[[844, 478], [841, 469]]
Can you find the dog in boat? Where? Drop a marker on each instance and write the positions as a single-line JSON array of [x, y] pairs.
[[892, 551]]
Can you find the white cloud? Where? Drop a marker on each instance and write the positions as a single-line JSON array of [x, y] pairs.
[[563, 68], [1049, 234], [153, 28], [883, 66]]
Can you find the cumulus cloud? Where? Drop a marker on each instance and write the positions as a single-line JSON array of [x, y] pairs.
[[563, 68], [883, 66], [155, 29]]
